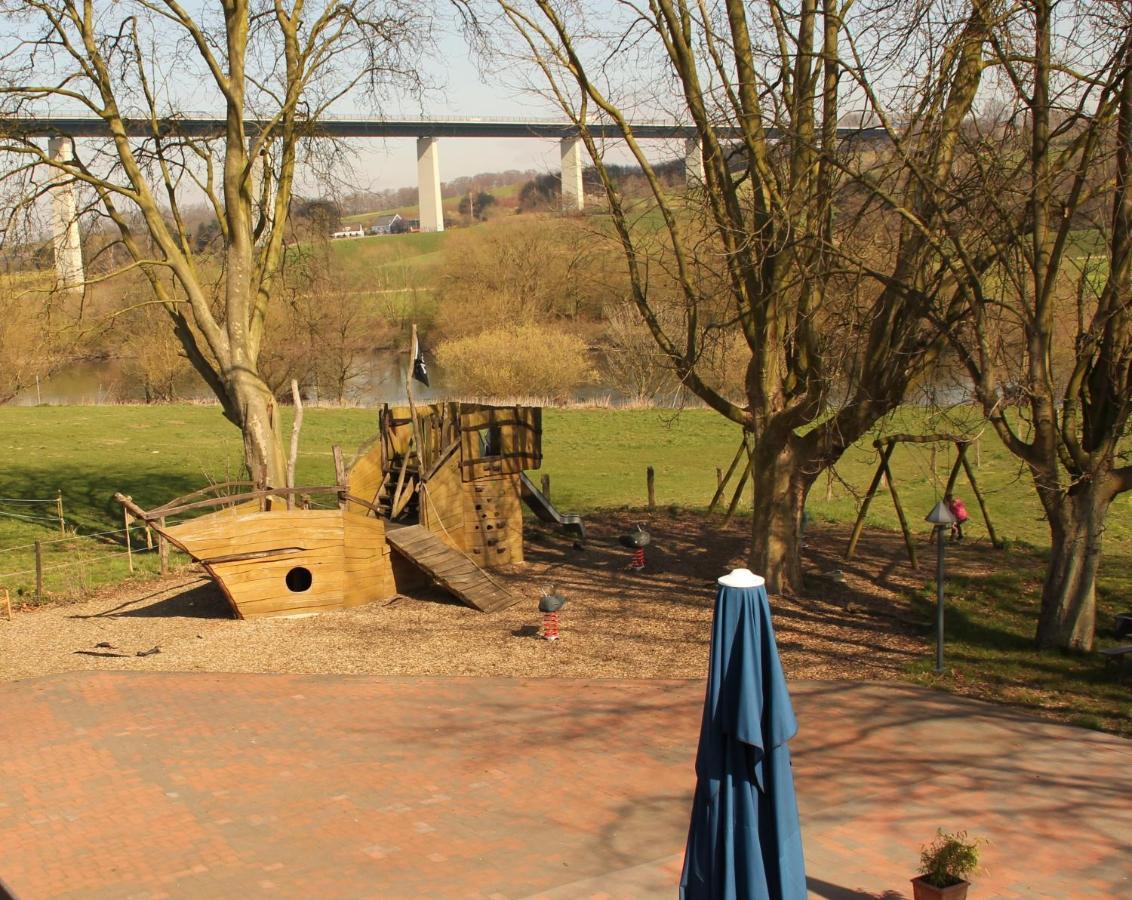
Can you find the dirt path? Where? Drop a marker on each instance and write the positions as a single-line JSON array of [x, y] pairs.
[[616, 623]]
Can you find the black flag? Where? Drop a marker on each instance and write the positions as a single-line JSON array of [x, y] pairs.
[[420, 369]]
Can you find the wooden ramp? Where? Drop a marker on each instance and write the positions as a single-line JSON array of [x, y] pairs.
[[448, 567]]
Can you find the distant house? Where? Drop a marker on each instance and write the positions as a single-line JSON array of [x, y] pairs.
[[348, 232], [386, 225], [404, 226]]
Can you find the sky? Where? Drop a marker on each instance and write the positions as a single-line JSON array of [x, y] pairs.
[[462, 91]]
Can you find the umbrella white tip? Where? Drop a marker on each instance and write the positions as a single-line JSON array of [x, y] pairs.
[[742, 578]]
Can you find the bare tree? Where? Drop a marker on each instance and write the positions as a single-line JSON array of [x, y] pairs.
[[1045, 331], [771, 246], [272, 68]]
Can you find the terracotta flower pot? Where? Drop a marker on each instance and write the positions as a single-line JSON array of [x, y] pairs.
[[921, 890]]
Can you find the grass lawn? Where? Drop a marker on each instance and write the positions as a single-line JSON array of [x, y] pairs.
[[596, 459], [366, 253]]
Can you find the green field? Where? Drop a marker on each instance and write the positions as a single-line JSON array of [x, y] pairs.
[[451, 206], [364, 255], [596, 459]]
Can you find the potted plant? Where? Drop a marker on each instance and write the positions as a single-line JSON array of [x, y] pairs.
[[945, 864]]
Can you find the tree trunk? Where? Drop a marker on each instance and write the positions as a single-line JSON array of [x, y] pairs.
[[259, 422], [1068, 616], [776, 521]]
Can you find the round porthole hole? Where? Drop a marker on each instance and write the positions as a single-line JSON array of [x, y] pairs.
[[299, 579]]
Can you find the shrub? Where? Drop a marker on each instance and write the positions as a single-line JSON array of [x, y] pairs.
[[949, 859], [515, 361]]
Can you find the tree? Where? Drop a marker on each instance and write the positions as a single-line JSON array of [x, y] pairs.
[[476, 205], [273, 69], [541, 192], [316, 218], [773, 244], [30, 345], [1040, 241]]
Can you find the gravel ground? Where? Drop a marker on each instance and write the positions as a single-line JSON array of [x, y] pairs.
[[616, 623]]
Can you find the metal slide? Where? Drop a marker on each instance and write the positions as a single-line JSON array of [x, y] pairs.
[[542, 508]]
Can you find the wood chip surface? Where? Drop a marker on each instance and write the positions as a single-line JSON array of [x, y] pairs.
[[616, 623]]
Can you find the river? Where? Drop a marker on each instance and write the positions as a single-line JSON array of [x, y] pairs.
[[381, 380]]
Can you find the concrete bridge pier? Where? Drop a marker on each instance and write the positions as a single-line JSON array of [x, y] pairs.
[[428, 185], [693, 163], [69, 272], [572, 155]]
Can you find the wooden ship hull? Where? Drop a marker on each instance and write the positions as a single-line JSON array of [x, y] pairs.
[[437, 494], [290, 561]]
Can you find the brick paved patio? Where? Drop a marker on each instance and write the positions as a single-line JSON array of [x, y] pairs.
[[202, 785]]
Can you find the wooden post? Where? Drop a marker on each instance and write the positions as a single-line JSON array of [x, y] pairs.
[[726, 478], [718, 477], [828, 484], [951, 478], [982, 501], [8, 604], [129, 548], [908, 542], [38, 571], [869, 494], [148, 537], [650, 479], [296, 427], [162, 546], [413, 350], [934, 455], [59, 511], [734, 504], [546, 486], [339, 475], [396, 504]]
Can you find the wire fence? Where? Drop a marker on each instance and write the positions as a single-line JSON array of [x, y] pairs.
[[77, 560], [47, 511]]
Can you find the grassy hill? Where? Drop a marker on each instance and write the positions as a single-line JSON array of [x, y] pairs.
[[506, 194]]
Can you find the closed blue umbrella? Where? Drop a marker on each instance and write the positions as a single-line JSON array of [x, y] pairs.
[[744, 839]]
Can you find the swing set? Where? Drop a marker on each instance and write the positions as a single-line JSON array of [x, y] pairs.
[[885, 447]]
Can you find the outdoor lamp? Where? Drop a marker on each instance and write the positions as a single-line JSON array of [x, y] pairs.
[[942, 518]]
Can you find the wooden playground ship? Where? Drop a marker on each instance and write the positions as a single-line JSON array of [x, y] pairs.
[[436, 495]]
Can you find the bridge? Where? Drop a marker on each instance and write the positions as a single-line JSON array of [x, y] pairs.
[[61, 130]]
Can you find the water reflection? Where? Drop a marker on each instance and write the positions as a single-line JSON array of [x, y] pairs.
[[380, 379]]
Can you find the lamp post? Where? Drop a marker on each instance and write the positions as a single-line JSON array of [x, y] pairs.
[[942, 518]]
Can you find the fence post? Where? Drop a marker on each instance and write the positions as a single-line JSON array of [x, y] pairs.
[[650, 477], [38, 571], [8, 604], [718, 478], [129, 549], [162, 546], [59, 510], [546, 486]]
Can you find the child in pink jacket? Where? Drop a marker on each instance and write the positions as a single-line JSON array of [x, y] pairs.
[[959, 510]]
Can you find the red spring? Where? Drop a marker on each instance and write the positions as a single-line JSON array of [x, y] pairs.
[[638, 561], [550, 626]]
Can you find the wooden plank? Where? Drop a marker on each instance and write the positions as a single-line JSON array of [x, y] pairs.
[[449, 568]]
